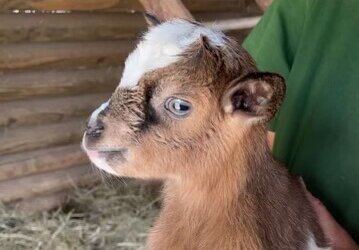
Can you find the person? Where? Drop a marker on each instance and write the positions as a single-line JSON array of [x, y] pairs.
[[314, 45]]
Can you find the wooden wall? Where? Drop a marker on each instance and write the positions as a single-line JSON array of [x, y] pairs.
[[55, 68]]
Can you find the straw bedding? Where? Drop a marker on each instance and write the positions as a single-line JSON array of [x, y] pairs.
[[108, 216]]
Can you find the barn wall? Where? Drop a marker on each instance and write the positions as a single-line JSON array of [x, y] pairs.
[[55, 68]]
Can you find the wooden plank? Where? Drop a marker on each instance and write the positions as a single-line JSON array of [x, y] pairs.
[[113, 5], [39, 161], [56, 181], [239, 35], [35, 137], [45, 27], [71, 5], [24, 85], [62, 55], [49, 110]]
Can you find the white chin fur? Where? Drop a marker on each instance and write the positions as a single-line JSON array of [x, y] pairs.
[[96, 159], [161, 46]]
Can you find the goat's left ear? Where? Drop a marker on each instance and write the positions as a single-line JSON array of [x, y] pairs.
[[255, 97], [151, 19]]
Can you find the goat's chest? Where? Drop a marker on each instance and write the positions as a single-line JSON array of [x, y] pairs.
[[180, 234]]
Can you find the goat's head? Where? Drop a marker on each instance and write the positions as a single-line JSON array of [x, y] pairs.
[[185, 90]]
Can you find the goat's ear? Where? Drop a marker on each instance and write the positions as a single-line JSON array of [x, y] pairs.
[[255, 97], [151, 19]]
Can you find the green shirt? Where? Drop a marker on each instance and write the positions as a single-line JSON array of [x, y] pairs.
[[314, 44]]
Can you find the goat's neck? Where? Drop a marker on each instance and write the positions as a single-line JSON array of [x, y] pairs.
[[224, 194], [227, 209]]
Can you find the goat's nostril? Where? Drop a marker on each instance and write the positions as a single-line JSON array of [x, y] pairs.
[[95, 131]]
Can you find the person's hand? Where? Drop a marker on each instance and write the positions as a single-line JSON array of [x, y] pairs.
[[264, 4], [337, 235], [167, 9]]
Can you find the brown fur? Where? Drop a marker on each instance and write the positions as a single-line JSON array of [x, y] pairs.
[[223, 189]]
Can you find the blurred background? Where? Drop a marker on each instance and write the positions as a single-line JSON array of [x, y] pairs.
[[58, 61]]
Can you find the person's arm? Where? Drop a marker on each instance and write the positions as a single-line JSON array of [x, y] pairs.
[[272, 44], [339, 238], [264, 4], [167, 9]]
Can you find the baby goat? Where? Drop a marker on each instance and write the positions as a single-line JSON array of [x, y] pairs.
[[191, 109]]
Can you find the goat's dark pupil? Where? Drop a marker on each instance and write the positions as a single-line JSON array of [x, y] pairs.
[[180, 106], [183, 107]]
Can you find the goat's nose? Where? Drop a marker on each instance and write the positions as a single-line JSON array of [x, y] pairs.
[[94, 130]]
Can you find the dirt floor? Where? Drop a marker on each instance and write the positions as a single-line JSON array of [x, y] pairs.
[[115, 214]]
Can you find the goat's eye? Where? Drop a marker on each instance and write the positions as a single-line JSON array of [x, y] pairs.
[[178, 107]]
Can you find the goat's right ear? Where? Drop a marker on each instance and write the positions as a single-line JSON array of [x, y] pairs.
[[255, 97], [151, 19]]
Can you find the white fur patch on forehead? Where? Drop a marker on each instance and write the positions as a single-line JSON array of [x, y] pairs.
[[162, 45], [93, 117]]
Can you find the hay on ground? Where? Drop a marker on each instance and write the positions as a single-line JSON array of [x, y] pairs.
[[102, 217]]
